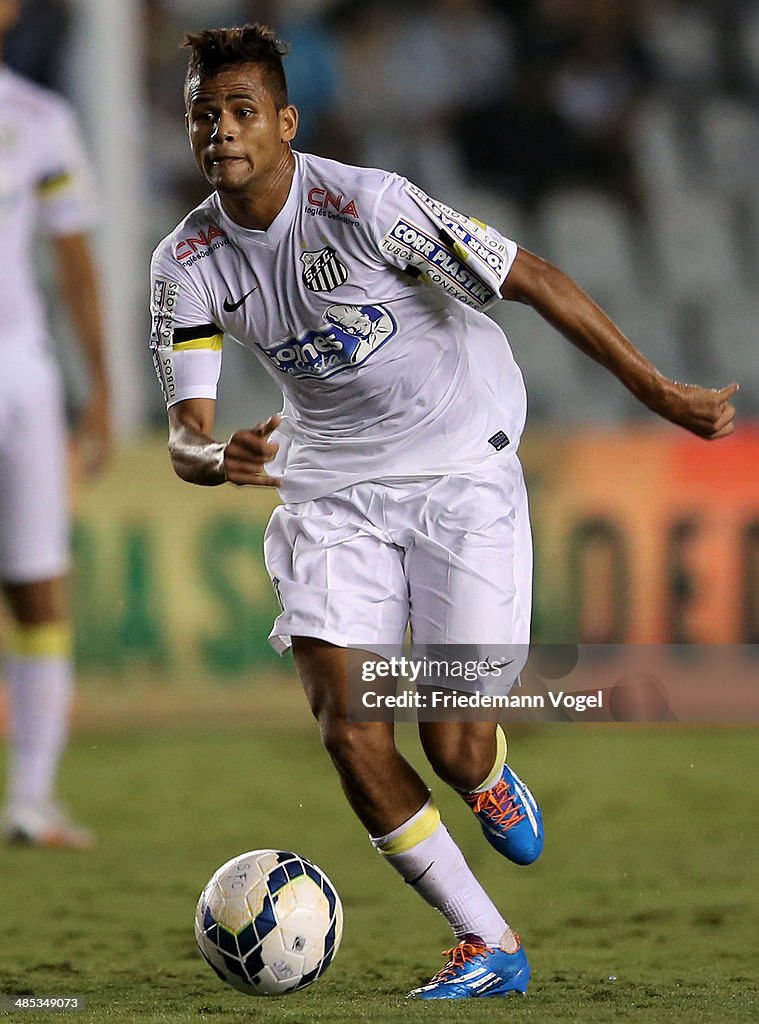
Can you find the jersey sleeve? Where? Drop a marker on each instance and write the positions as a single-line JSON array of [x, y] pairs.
[[66, 197], [429, 240], [185, 343]]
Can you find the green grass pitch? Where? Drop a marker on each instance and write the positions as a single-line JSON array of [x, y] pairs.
[[642, 908]]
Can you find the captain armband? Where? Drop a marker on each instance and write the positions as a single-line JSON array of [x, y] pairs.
[[187, 360]]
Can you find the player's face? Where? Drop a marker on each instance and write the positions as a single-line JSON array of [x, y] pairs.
[[237, 135]]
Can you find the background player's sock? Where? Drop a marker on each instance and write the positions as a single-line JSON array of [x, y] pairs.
[[500, 759], [40, 676], [422, 851]]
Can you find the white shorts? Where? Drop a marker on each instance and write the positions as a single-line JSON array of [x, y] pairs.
[[34, 532], [450, 556]]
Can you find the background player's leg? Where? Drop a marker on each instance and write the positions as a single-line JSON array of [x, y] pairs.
[[40, 679], [35, 603], [34, 558]]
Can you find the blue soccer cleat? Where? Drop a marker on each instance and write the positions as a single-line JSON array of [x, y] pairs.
[[510, 818], [475, 970]]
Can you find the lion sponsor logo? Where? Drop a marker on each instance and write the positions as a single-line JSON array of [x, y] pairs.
[[350, 335]]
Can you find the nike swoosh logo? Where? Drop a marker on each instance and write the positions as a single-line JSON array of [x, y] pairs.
[[492, 666], [413, 881], [230, 307]]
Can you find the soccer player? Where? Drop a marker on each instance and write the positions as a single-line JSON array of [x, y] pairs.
[[395, 453], [42, 185]]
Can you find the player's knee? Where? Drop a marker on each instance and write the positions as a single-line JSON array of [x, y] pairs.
[[36, 603], [353, 746]]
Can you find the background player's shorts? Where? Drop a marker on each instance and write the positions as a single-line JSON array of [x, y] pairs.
[[450, 555], [34, 542]]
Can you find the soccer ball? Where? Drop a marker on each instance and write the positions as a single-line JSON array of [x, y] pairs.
[[269, 922]]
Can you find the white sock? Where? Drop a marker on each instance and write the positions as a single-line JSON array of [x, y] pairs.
[[422, 851], [40, 690]]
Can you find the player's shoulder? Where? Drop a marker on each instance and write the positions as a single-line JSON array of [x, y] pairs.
[[30, 99], [345, 189], [197, 233]]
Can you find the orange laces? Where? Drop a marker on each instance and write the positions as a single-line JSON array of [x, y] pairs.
[[462, 954], [498, 804]]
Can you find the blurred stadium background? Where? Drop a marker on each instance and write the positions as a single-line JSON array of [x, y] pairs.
[[619, 140]]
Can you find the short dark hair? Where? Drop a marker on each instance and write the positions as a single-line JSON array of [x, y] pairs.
[[216, 48]]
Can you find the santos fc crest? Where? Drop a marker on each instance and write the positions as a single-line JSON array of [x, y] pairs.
[[322, 270]]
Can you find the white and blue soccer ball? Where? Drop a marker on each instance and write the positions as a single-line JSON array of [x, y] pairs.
[[269, 922]]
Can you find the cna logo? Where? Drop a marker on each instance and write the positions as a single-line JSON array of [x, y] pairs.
[[323, 203], [349, 336], [189, 250]]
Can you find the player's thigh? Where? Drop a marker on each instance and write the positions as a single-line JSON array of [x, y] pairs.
[[470, 569], [34, 515], [336, 578], [324, 674]]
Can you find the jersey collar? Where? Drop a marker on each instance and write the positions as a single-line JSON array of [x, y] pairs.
[[278, 227]]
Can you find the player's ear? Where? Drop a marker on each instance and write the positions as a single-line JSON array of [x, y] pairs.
[[288, 123]]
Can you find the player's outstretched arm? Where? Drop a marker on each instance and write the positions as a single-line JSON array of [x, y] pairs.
[[199, 459], [707, 412]]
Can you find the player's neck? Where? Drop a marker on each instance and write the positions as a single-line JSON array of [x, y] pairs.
[[258, 205]]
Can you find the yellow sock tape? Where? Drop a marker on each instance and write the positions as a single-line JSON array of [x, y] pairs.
[[47, 640], [419, 830]]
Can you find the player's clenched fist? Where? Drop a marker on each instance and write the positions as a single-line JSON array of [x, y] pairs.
[[247, 452]]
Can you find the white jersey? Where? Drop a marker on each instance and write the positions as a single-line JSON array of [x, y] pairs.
[[43, 184], [364, 300]]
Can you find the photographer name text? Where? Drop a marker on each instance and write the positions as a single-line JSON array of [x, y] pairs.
[[578, 702]]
